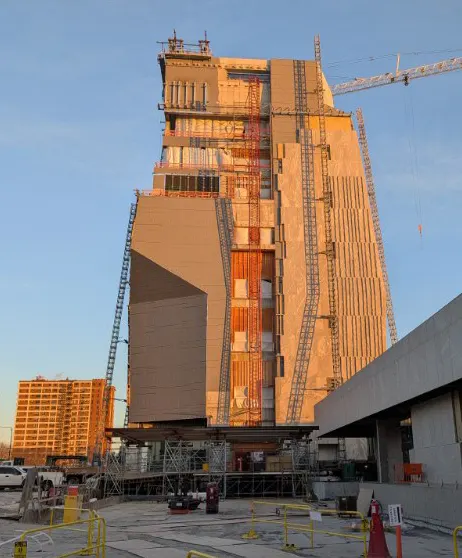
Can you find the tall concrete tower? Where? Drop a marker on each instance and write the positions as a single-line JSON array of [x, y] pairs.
[[255, 277]]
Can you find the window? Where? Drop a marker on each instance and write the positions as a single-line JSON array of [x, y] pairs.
[[193, 93], [186, 183], [9, 471]]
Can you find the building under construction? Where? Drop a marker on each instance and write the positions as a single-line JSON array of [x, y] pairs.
[[256, 278]]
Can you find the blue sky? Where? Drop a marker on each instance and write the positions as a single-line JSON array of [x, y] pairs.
[[79, 131]]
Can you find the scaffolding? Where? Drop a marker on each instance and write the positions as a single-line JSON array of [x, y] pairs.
[[224, 215], [376, 223], [305, 341], [173, 466], [254, 255], [123, 282], [328, 204]]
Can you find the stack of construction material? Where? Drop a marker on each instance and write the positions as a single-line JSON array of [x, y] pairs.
[[278, 463]]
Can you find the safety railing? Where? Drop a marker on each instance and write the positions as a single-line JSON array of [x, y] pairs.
[[65, 512], [288, 526], [220, 135], [95, 539], [454, 540], [180, 194]]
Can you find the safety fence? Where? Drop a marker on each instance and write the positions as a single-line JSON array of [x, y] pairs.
[[455, 534], [92, 543], [291, 517]]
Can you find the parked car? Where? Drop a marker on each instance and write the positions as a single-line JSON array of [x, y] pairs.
[[49, 477], [11, 477]]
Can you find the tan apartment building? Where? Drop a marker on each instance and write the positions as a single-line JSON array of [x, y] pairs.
[[58, 417], [255, 279]]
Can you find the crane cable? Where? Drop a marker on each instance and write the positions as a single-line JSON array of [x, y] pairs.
[[414, 162]]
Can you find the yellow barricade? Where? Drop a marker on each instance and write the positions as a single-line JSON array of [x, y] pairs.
[[194, 553], [301, 527], [79, 510], [94, 545], [454, 540]]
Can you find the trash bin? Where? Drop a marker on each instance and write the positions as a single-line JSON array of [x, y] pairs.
[[346, 504], [212, 498]]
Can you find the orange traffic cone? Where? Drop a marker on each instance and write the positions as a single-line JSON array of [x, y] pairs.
[[377, 544]]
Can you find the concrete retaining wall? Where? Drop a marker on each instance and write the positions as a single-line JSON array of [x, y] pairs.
[[330, 490], [434, 506]]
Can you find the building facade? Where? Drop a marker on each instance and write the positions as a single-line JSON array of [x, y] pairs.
[[256, 285], [58, 417]]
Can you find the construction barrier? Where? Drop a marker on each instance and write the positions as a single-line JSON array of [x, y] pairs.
[[95, 541], [194, 553], [454, 540], [61, 511], [288, 526]]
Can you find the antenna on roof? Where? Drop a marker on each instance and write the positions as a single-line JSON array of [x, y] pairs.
[[204, 44]]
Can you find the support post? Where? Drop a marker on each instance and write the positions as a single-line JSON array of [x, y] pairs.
[[399, 542]]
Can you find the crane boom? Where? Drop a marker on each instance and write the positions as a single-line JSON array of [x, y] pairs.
[[404, 76]]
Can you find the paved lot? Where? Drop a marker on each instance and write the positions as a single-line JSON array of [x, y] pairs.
[[145, 529]]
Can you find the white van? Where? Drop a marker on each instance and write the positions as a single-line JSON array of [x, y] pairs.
[[11, 477], [48, 477]]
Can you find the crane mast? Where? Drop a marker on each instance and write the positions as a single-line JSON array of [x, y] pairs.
[[376, 223], [123, 282]]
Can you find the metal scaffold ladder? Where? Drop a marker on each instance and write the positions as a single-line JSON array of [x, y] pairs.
[[330, 249], [254, 255], [305, 340], [123, 281], [328, 203], [224, 216], [376, 223]]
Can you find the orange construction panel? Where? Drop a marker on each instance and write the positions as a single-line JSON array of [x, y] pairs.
[[269, 372], [267, 266], [239, 320], [267, 319]]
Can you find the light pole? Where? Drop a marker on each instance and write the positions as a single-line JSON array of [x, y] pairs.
[[11, 439]]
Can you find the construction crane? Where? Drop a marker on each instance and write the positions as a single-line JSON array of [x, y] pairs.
[[359, 84], [123, 281], [400, 76]]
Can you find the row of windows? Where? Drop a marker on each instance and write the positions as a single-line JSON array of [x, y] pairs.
[[185, 183], [186, 95]]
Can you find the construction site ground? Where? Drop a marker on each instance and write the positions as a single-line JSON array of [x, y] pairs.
[[145, 529]]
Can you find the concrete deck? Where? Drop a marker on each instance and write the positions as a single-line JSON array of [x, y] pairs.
[[145, 529]]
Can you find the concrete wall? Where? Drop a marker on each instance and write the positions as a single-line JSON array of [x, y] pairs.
[[437, 506], [427, 359], [330, 490], [436, 441], [389, 449]]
